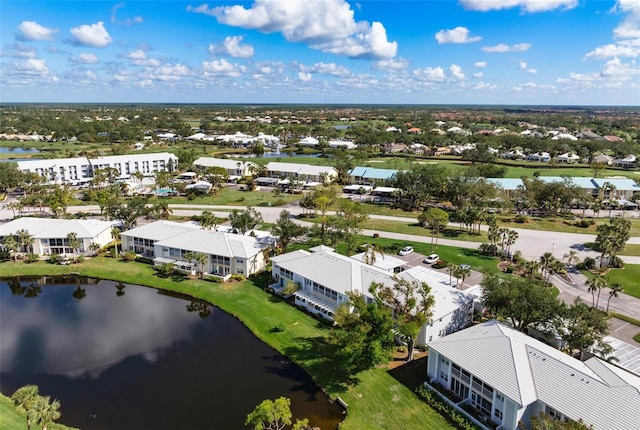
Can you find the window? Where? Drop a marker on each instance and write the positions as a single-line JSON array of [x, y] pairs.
[[554, 414], [443, 376], [498, 414]]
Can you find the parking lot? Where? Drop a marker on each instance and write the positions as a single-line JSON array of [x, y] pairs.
[[416, 259]]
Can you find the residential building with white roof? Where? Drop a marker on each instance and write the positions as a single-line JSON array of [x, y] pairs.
[[80, 170], [169, 242], [326, 277], [301, 172], [509, 377], [234, 168], [50, 235]]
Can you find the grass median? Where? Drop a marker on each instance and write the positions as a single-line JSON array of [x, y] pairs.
[[375, 398]]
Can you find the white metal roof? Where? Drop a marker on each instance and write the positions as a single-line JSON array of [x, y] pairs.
[[344, 274], [525, 370], [42, 228]]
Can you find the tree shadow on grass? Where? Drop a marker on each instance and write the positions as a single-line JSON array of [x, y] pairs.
[[320, 359], [411, 374]]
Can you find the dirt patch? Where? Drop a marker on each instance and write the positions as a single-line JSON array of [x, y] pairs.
[[400, 357]]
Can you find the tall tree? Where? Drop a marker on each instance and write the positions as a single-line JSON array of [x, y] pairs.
[[115, 236], [614, 290], [243, 221], [271, 415], [436, 219], [595, 285], [583, 329], [612, 237], [285, 229], [523, 302], [412, 304], [25, 400], [47, 411], [364, 333], [74, 244]]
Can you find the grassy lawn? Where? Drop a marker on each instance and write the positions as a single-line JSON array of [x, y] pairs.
[[561, 225], [631, 249], [375, 398], [232, 197], [628, 277]]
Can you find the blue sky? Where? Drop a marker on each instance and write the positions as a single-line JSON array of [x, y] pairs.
[[549, 52]]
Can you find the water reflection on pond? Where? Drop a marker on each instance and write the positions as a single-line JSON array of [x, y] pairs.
[[129, 357]]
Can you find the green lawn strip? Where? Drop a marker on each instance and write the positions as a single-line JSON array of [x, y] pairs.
[[627, 277], [630, 249], [412, 229], [11, 420], [232, 197], [625, 318], [450, 254], [304, 340]]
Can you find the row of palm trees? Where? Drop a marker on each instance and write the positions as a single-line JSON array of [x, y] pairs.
[[22, 242], [599, 283], [36, 408]]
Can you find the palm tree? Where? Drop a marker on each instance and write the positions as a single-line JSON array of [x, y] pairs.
[[531, 269], [572, 257], [26, 240], [189, 257], [614, 290], [370, 254], [115, 235], [12, 244], [162, 210], [47, 411], [451, 268], [208, 220], [546, 260], [94, 247], [74, 244], [596, 206], [596, 284], [25, 399], [201, 259], [512, 236], [464, 272]]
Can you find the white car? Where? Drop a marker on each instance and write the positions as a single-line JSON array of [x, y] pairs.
[[431, 259], [406, 250]]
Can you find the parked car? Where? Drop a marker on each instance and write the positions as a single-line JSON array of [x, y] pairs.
[[406, 250], [431, 259], [465, 266]]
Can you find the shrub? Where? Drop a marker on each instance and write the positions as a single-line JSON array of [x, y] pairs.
[[521, 219], [32, 258], [616, 262], [129, 256], [440, 264], [509, 269], [54, 259], [279, 328], [488, 249], [584, 223], [376, 235], [191, 195], [80, 258], [589, 263], [236, 277]]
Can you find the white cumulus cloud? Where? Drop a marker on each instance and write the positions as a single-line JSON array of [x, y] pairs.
[[327, 25], [232, 46], [91, 35], [433, 74], [456, 35], [391, 65], [85, 58], [304, 77], [480, 64], [222, 67], [630, 26], [126, 22], [614, 50], [31, 30], [139, 58], [525, 5], [332, 69], [501, 47], [615, 67], [456, 72]]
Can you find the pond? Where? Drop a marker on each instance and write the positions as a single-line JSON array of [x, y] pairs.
[[121, 356], [17, 151]]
